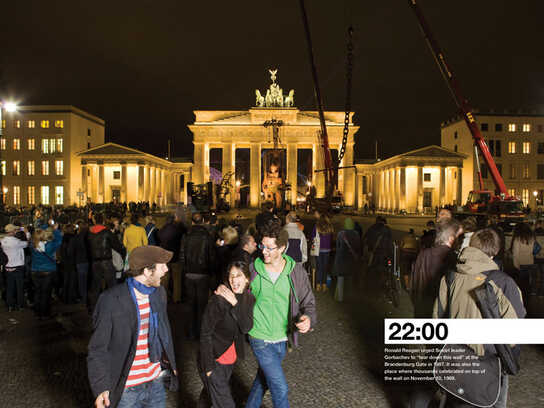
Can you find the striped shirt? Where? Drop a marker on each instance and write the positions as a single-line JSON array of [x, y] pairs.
[[143, 370]]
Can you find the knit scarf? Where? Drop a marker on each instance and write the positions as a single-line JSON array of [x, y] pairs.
[[133, 284]]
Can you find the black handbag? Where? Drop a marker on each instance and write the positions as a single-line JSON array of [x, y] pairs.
[[469, 385]]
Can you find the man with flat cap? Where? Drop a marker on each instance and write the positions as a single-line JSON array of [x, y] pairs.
[[131, 351]]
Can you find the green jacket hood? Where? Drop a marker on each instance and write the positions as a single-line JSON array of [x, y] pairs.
[[473, 261], [289, 266]]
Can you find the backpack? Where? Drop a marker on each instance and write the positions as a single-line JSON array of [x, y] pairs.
[[476, 389], [488, 305]]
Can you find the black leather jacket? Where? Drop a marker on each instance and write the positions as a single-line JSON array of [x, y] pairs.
[[101, 242], [197, 254]]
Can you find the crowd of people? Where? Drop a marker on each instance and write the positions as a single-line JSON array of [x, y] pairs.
[[254, 281], [444, 275]]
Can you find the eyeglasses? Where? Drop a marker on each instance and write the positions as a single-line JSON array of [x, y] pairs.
[[262, 248]]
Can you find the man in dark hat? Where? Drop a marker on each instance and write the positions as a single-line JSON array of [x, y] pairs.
[[131, 333]]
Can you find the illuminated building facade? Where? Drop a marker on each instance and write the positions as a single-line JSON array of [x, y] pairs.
[[516, 142], [38, 152], [416, 181]]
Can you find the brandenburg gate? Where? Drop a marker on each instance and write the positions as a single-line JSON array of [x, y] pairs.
[[273, 124]]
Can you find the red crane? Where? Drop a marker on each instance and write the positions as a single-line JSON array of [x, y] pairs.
[[501, 193]]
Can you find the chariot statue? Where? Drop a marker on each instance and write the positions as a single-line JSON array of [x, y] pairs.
[[274, 95]]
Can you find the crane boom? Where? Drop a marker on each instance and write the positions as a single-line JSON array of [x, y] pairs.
[[329, 168], [462, 103]]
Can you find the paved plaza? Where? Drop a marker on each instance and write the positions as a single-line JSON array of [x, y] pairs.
[[339, 364]]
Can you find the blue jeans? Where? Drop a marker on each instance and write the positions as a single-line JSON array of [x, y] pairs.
[[322, 267], [15, 278], [270, 374], [149, 394], [82, 276]]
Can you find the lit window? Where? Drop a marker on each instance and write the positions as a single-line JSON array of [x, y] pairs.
[[45, 195], [16, 168], [59, 195], [31, 124], [512, 171], [31, 144], [44, 124], [52, 146], [31, 168], [525, 196], [31, 195], [526, 147], [16, 195], [511, 127], [3, 143], [511, 147], [59, 167], [526, 170], [59, 124], [512, 192], [45, 168], [17, 124], [45, 146], [526, 127], [3, 123], [16, 144], [60, 146], [3, 165]]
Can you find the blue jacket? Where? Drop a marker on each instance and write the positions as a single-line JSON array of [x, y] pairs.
[[45, 261]]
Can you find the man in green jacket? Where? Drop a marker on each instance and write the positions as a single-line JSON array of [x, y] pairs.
[[285, 306]]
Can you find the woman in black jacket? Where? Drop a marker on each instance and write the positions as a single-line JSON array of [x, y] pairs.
[[227, 318]]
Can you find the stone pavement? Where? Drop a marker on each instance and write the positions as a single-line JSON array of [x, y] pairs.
[[339, 364]]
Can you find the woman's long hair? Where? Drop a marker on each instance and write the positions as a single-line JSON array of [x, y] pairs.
[[324, 225], [38, 236], [523, 233]]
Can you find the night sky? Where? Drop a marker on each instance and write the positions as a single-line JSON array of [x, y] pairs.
[[144, 66]]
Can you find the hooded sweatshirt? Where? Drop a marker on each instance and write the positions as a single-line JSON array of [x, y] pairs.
[[271, 311]]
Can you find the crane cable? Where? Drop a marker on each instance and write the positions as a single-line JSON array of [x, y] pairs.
[[349, 76]]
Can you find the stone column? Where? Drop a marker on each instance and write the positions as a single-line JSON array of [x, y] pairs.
[[292, 170], [152, 181], [93, 184], [124, 195], [229, 165], [420, 188], [83, 183], [164, 188], [101, 182], [318, 179], [141, 193], [255, 175], [459, 192], [198, 168], [185, 179], [397, 188], [349, 176], [402, 188], [442, 188]]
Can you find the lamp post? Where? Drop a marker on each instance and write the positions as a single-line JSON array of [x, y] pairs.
[[8, 107]]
